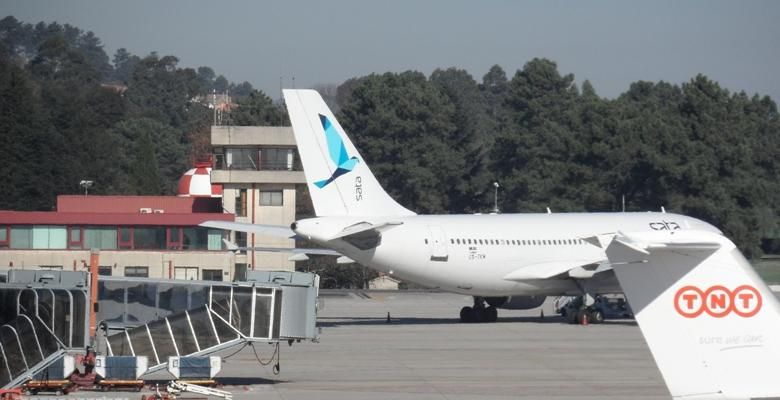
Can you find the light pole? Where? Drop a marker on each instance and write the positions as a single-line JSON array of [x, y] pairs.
[[86, 185], [495, 197]]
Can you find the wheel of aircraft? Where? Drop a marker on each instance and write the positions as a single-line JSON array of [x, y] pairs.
[[571, 316], [466, 314], [491, 314], [595, 316], [479, 313]]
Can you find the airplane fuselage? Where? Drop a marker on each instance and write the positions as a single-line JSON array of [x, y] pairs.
[[477, 254]]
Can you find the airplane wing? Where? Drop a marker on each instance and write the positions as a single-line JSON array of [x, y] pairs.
[[292, 250], [270, 230], [580, 269]]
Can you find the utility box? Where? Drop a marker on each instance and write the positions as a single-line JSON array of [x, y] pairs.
[[121, 367], [194, 367], [60, 369]]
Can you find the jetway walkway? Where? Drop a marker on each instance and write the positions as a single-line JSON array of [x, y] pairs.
[[40, 321], [45, 315]]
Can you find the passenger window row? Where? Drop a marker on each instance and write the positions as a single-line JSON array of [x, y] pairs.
[[519, 242]]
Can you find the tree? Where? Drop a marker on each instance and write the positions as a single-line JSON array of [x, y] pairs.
[[474, 135], [170, 156], [255, 109], [81, 111], [534, 151], [31, 147], [403, 125], [144, 173], [124, 64]]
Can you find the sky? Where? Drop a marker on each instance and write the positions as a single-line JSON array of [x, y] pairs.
[[611, 43]]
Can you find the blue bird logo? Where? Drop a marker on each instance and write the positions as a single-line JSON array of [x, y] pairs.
[[338, 153]]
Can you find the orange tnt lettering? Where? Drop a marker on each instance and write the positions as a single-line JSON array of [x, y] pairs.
[[718, 301]]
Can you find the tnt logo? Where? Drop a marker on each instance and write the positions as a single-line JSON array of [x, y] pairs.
[[717, 301]]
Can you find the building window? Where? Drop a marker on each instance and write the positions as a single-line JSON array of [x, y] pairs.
[[187, 273], [125, 237], [149, 238], [195, 239], [4, 234], [241, 203], [100, 238], [219, 158], [276, 159], [215, 239], [242, 159], [174, 238], [105, 270], [241, 239], [212, 275], [49, 237], [21, 237], [137, 272], [75, 238], [271, 198]]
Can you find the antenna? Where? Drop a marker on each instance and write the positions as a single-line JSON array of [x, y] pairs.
[[281, 103], [624, 203], [663, 210], [228, 109], [495, 197], [214, 103]]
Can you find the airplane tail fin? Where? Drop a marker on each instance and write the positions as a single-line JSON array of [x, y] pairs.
[[339, 181], [711, 323]]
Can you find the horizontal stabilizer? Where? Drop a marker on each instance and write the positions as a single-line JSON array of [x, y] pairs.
[[268, 230], [362, 227], [545, 270]]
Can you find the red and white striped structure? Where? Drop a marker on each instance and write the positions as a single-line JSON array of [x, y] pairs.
[[197, 183]]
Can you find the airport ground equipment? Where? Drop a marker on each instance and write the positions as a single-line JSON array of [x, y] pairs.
[[10, 394], [57, 387], [195, 370], [607, 306], [120, 372], [175, 388], [53, 379], [46, 315]]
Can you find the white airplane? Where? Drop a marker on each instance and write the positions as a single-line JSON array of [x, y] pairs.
[[712, 325]]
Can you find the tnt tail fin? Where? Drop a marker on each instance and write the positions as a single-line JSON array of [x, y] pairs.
[[339, 181], [712, 325]]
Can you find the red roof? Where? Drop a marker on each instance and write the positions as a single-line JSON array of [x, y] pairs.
[[133, 204], [93, 218]]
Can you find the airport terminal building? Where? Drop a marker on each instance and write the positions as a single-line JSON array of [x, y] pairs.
[[252, 179]]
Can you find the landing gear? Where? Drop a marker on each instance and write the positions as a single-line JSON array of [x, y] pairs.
[[479, 313], [583, 310]]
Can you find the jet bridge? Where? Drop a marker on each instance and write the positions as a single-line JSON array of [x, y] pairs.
[[45, 315]]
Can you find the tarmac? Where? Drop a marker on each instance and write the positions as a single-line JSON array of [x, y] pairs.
[[425, 353]]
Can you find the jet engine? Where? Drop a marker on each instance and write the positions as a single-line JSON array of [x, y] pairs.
[[516, 302]]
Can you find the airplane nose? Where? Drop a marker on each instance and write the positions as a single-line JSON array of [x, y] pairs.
[[294, 225]]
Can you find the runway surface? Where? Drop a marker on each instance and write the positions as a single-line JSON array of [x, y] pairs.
[[425, 353]]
